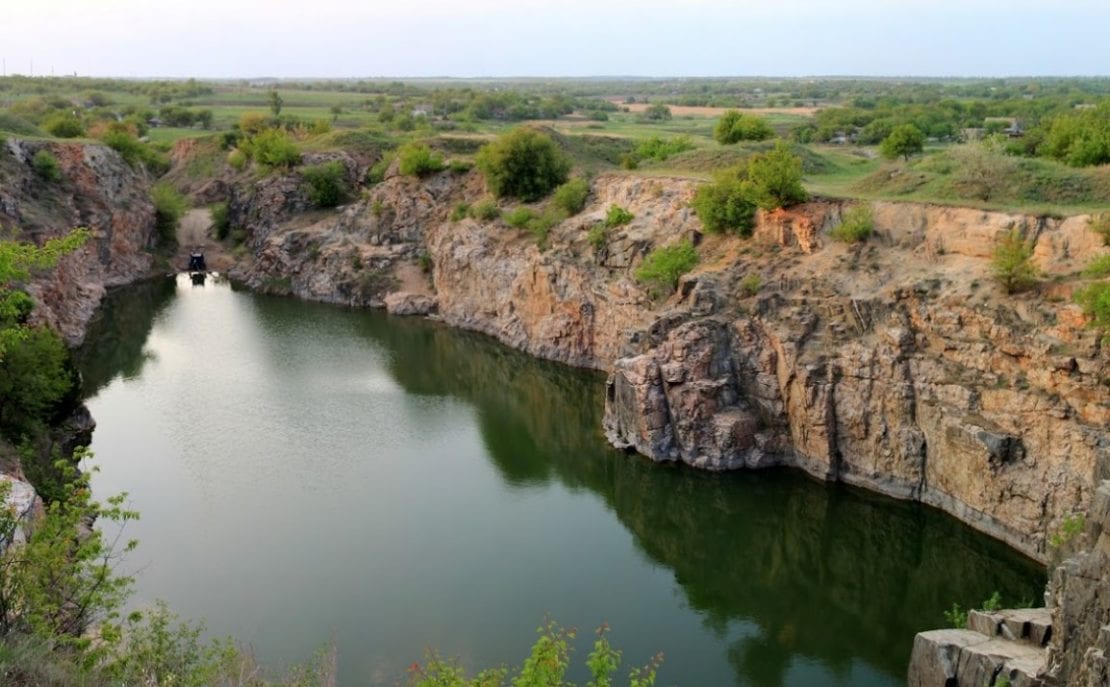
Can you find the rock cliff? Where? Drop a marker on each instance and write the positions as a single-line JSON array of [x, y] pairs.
[[898, 364], [96, 190]]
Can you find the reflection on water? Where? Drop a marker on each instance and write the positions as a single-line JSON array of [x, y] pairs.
[[339, 482]]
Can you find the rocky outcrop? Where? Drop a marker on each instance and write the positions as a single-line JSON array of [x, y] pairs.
[[897, 365], [97, 190]]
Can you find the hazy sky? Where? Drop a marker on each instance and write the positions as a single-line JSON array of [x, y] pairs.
[[344, 38]]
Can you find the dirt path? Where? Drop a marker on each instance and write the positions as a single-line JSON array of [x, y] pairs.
[[194, 232]]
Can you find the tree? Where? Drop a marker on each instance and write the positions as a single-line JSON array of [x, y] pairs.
[[276, 102], [523, 163], [903, 141], [983, 170], [1012, 263], [777, 176], [657, 113], [735, 126]]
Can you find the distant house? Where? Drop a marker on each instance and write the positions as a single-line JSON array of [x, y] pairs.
[[424, 110], [154, 122]]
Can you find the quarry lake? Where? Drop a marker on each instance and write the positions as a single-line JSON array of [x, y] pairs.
[[309, 474]]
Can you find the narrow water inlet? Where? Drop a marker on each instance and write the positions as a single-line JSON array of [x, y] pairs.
[[306, 472]]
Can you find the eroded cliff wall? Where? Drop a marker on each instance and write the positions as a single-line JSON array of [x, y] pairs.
[[899, 364], [96, 190]]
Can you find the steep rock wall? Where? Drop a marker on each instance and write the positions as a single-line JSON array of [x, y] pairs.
[[898, 365], [97, 190]]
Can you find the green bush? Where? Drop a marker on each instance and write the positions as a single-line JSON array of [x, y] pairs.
[[327, 184], [546, 665], [1098, 268], [1080, 138], [617, 216], [1012, 263], [727, 204], [63, 125], [662, 268], [485, 210], [460, 166], [418, 160], [657, 113], [377, 171], [523, 163], [571, 196], [735, 126], [221, 220], [750, 285], [1095, 301], [238, 160], [275, 148], [539, 225], [518, 217], [1100, 224], [134, 151], [855, 226], [597, 236], [169, 207], [658, 148], [777, 175], [46, 165], [460, 212]]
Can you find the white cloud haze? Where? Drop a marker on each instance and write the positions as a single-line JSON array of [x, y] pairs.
[[554, 37]]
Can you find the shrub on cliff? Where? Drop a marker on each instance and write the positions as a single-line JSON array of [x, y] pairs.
[[46, 165], [485, 210], [418, 160], [34, 370], [767, 180], [64, 125], [777, 175], [1100, 224], [169, 206], [571, 196], [221, 220], [133, 151], [1012, 263], [617, 216], [735, 126], [524, 164], [727, 204], [1095, 301], [856, 225], [662, 268], [327, 184], [274, 148]]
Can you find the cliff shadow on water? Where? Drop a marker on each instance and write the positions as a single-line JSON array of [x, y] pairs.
[[824, 570], [116, 339], [806, 570]]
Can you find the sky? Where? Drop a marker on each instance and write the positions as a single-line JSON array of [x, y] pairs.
[[474, 38]]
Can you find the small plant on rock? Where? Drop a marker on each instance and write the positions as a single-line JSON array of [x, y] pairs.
[[46, 166], [856, 225], [1012, 263], [617, 216], [663, 267]]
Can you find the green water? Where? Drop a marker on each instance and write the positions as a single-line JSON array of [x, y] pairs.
[[310, 474]]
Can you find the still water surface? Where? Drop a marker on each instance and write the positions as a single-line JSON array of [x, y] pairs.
[[310, 474]]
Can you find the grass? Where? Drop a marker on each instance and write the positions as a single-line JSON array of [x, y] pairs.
[[1038, 186]]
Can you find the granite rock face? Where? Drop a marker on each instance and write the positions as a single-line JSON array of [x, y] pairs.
[[898, 365], [97, 190]]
